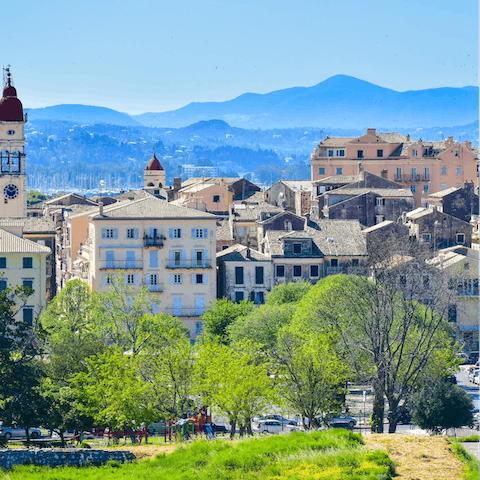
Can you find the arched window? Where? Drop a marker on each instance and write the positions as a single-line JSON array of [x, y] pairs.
[[150, 185], [5, 158], [16, 161], [159, 185]]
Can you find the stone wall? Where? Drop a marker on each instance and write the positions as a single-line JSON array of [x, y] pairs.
[[61, 457]]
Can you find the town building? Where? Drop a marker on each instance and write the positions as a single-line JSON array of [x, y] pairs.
[[154, 177], [292, 195], [421, 166]]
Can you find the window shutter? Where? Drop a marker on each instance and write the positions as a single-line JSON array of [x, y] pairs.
[[193, 233], [205, 232], [194, 257], [205, 257], [150, 232], [194, 279], [136, 279], [171, 255], [170, 230], [172, 279], [115, 233], [205, 278], [104, 280], [154, 258], [183, 257], [104, 233], [135, 233]]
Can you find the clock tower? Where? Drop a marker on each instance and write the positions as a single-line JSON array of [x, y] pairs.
[[13, 173]]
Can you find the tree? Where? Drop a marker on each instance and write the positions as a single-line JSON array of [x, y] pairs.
[[440, 405], [220, 315], [112, 391], [120, 314], [288, 292], [310, 372], [391, 325], [234, 381]]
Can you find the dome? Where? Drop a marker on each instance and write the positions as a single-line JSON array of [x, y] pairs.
[[11, 108], [154, 164], [9, 91]]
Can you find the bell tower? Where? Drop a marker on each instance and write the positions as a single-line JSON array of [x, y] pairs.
[[13, 173], [154, 176]]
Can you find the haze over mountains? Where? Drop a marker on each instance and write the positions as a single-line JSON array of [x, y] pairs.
[[338, 102]]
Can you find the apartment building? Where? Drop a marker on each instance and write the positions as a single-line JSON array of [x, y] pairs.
[[421, 166], [169, 249]]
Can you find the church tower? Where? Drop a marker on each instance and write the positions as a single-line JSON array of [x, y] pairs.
[[13, 173], [154, 176]]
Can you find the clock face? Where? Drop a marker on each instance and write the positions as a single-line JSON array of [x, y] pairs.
[[10, 132], [10, 192]]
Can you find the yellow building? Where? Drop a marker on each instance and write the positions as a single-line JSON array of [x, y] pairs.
[[23, 262], [151, 242]]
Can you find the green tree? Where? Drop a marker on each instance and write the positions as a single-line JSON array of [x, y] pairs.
[[220, 315], [112, 391], [440, 405], [288, 292], [234, 381]]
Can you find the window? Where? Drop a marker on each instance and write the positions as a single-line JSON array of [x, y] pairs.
[[199, 233], [413, 174], [379, 153], [279, 270], [413, 188], [426, 188], [28, 282], [199, 257], [297, 271], [27, 313], [27, 262], [426, 173], [339, 171], [241, 231], [216, 199], [153, 259], [426, 237], [379, 219], [109, 233], [287, 225], [297, 248], [259, 298], [340, 153], [444, 186], [177, 278], [458, 185], [198, 328], [415, 152], [459, 170], [321, 170], [238, 275], [107, 279], [334, 262], [314, 271], [426, 281], [130, 279], [3, 262], [199, 278], [398, 173], [456, 152], [132, 233], [359, 153], [175, 233], [355, 262], [177, 257], [3, 285], [380, 202], [153, 279], [330, 153], [239, 296], [444, 170], [460, 238], [259, 276]]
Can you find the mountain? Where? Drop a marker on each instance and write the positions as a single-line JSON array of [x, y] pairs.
[[338, 102], [82, 114]]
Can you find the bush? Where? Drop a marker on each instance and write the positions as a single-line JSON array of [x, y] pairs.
[[84, 445], [113, 464]]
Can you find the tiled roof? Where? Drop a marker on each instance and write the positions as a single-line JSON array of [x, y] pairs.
[[239, 253], [336, 141], [443, 193], [392, 137], [332, 238], [215, 180], [152, 208], [384, 192], [305, 185], [198, 187], [252, 211], [378, 226], [255, 198], [12, 222], [223, 231], [58, 198], [335, 179], [10, 243], [39, 225], [419, 213], [274, 217]]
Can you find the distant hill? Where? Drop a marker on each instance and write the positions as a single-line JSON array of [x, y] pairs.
[[82, 114], [338, 102]]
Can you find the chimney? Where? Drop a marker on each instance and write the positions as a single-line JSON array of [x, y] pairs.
[[467, 144], [408, 137], [177, 183], [449, 142], [359, 168], [249, 255], [100, 207], [264, 195], [371, 131]]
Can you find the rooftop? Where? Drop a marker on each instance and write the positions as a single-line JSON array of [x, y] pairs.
[[10, 243], [241, 253]]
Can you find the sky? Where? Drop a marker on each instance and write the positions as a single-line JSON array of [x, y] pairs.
[[141, 56]]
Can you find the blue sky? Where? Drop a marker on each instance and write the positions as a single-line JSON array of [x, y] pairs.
[[151, 56]]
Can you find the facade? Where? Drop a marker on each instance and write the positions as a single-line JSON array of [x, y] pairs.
[[153, 243], [154, 176], [423, 167], [292, 195], [23, 263], [244, 274], [13, 173]]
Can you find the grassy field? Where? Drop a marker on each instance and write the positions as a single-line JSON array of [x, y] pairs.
[[332, 455]]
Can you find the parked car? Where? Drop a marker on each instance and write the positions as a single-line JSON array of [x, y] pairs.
[[284, 420], [471, 374], [157, 427], [342, 420], [271, 426], [219, 428], [14, 432], [451, 379], [476, 378]]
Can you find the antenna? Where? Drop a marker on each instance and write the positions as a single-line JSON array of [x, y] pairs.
[[7, 76]]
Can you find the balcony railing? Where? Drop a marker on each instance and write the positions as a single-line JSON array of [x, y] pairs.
[[173, 264], [334, 270], [121, 264], [414, 178], [158, 287], [185, 312], [154, 241]]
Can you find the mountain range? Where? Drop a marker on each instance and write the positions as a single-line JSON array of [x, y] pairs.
[[338, 102]]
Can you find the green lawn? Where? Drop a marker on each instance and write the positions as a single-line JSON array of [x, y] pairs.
[[333, 455]]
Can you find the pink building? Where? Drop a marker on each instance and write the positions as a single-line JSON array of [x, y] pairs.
[[423, 167]]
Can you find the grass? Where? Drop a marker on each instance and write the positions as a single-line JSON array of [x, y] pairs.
[[333, 455], [471, 463], [471, 438]]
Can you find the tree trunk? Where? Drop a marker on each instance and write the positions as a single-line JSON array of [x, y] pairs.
[[233, 426], [62, 438], [378, 406], [392, 415], [249, 427], [242, 431]]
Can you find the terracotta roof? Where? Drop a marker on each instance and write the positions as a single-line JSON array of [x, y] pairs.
[[239, 253], [336, 141], [10, 243], [154, 164], [151, 208], [392, 137]]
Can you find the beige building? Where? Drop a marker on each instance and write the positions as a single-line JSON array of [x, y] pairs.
[[152, 243], [154, 176], [23, 262]]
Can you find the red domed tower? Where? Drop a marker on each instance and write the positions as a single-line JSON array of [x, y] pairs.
[[13, 175], [154, 176]]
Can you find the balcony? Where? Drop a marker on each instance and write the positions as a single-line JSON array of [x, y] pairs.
[[153, 241], [121, 264], [334, 270], [185, 312], [174, 264], [414, 178], [155, 288]]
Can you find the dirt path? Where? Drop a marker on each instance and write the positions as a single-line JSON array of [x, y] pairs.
[[148, 451], [418, 458]]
